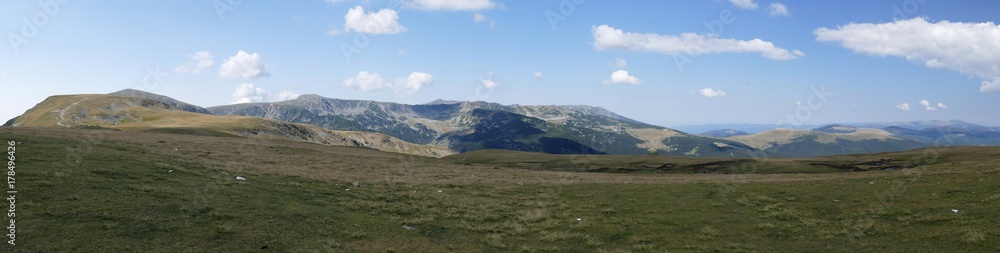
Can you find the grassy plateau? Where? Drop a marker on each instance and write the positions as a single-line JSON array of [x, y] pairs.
[[118, 191]]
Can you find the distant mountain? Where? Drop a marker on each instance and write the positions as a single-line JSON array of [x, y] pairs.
[[921, 125], [949, 136], [444, 127], [165, 99], [130, 113], [723, 133], [468, 126], [827, 140], [749, 128], [836, 129]]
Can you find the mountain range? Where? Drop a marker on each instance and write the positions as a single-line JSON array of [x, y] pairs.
[[444, 127]]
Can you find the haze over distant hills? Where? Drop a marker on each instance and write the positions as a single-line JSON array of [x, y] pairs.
[[444, 127], [756, 128]]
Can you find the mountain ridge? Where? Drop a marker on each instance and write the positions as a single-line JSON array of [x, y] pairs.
[[445, 126]]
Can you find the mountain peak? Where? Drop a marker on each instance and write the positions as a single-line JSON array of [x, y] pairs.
[[837, 128], [442, 102], [309, 97], [161, 98]]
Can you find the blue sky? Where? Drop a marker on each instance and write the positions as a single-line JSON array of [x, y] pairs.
[[874, 61]]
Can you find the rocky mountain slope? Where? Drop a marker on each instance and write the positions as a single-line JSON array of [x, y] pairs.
[[468, 126], [139, 113], [445, 127]]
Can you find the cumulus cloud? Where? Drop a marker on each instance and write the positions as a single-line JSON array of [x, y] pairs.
[[249, 93], [286, 95], [711, 93], [989, 86], [903, 106], [243, 65], [969, 48], [927, 104], [777, 10], [365, 81], [385, 21], [537, 74], [744, 4], [622, 77], [452, 5], [607, 38], [411, 84], [197, 62], [488, 82], [930, 107]]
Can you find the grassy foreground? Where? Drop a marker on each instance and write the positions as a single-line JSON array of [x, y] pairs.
[[107, 191]]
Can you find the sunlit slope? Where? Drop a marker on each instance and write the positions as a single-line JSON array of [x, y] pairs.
[[148, 115]]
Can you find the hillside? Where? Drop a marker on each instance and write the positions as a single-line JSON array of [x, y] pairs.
[[139, 114], [444, 127], [128, 191], [468, 126], [828, 140], [165, 99]]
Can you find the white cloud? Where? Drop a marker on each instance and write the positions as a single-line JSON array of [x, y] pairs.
[[744, 4], [927, 105], [488, 82], [385, 21], [452, 5], [711, 93], [942, 105], [335, 1], [248, 93], [411, 84], [197, 62], [990, 86], [622, 77], [903, 106], [607, 37], [243, 65], [618, 64], [286, 95], [537, 74], [969, 48], [480, 18], [776, 10], [365, 81]]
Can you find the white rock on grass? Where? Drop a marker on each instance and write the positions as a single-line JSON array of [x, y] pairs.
[[239, 178]]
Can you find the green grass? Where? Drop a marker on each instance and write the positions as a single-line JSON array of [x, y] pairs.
[[108, 191]]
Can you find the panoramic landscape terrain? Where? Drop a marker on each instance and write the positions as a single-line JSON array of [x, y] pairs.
[[501, 126]]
